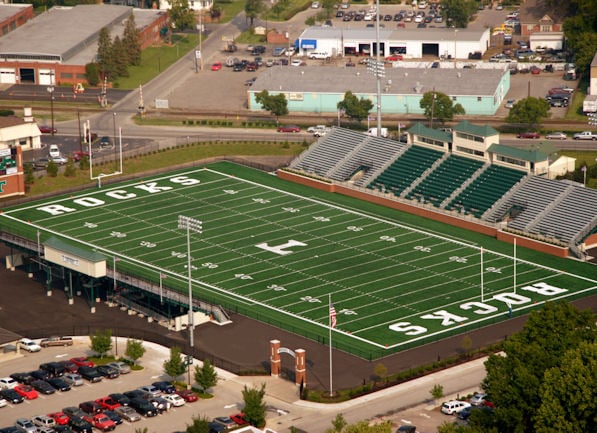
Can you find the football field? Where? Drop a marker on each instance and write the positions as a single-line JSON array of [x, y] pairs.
[[281, 257]]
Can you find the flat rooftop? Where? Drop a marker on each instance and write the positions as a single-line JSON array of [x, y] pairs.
[[10, 10], [368, 34], [398, 81]]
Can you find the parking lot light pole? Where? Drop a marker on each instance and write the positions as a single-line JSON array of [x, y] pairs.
[[191, 225], [51, 92]]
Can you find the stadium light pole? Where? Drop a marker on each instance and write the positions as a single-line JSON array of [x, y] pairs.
[[190, 225], [51, 92]]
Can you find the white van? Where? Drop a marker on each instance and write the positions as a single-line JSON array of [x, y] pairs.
[[318, 55], [373, 132], [54, 151]]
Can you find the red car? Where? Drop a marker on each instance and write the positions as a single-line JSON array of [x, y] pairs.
[[45, 129], [529, 135], [188, 396], [216, 66], [26, 391], [535, 70], [394, 58], [82, 362], [69, 367], [59, 417], [289, 128], [100, 422], [239, 418], [78, 155], [107, 403]]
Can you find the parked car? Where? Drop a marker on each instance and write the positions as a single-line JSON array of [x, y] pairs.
[[216, 66], [160, 404], [25, 425], [79, 155], [59, 384], [69, 366], [135, 393], [510, 103], [151, 390], [239, 418], [108, 403], [122, 367], [174, 399], [394, 57], [82, 361], [56, 341], [128, 413], [8, 383], [100, 422], [24, 378], [60, 418], [454, 406], [113, 416], [216, 427], [73, 379], [43, 421], [120, 398], [107, 371], [289, 128], [407, 429], [73, 412], [226, 421], [529, 135], [165, 387], [3, 402], [90, 407], [43, 387], [46, 129], [478, 399], [40, 374], [26, 391], [54, 369], [105, 142], [188, 395], [556, 136], [79, 425], [12, 396], [29, 345], [90, 374], [142, 406]]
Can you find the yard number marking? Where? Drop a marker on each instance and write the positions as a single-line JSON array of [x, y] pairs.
[[388, 238], [281, 249], [276, 288], [178, 255], [458, 259], [422, 249], [118, 234], [230, 191], [354, 228], [347, 312], [243, 276], [261, 200], [492, 269], [147, 244], [321, 219], [90, 225], [209, 265], [291, 209], [310, 299]]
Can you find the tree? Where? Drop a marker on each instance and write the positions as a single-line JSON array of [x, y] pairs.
[[579, 29], [91, 74], [568, 393], [134, 350], [52, 168], [70, 170], [529, 111], [174, 366], [437, 391], [380, 371], [439, 106], [275, 104], [515, 381], [364, 427], [339, 423], [181, 16], [254, 409], [29, 173], [328, 6], [120, 58], [101, 342], [206, 375], [131, 43], [458, 12], [105, 60], [200, 425], [355, 108], [252, 10], [466, 343]]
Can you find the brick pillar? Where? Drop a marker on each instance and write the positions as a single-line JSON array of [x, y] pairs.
[[301, 367], [274, 357]]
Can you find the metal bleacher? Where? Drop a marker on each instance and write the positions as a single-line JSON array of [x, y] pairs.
[[324, 155], [446, 178], [485, 190], [404, 170]]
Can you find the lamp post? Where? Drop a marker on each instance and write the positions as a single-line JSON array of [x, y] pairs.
[[196, 226], [455, 31], [114, 137], [51, 92]]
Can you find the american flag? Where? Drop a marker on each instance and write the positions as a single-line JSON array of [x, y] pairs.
[[332, 316]]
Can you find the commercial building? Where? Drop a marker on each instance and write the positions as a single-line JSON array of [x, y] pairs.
[[411, 43], [54, 47], [13, 16], [318, 89]]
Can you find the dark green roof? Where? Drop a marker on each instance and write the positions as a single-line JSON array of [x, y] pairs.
[[481, 131], [60, 245], [436, 134], [534, 154]]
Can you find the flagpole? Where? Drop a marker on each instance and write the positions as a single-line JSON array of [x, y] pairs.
[[515, 265], [482, 293], [330, 338]]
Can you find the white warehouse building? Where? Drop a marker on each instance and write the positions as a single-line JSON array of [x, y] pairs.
[[441, 42]]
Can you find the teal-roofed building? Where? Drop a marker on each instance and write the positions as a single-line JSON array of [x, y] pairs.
[[318, 89]]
